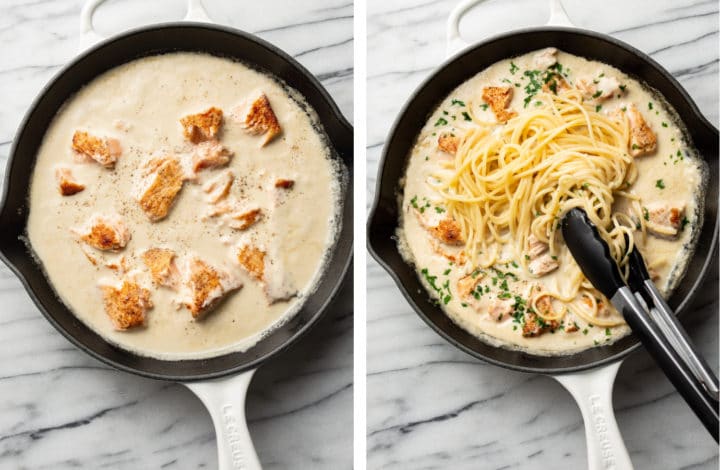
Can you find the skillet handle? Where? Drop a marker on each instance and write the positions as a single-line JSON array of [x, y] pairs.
[[225, 400], [455, 43], [592, 390], [90, 37]]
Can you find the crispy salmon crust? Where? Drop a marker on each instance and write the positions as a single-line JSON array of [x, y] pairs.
[[165, 180], [253, 260], [105, 233], [284, 183], [205, 287], [448, 143], [105, 151], [202, 126], [67, 184], [499, 97], [260, 119], [448, 231], [126, 304], [160, 262]]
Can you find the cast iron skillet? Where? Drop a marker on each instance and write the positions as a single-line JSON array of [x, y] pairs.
[[157, 39], [384, 216]]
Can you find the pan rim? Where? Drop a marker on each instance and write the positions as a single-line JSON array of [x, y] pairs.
[[419, 90], [343, 260]]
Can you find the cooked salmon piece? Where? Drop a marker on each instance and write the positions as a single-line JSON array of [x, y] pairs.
[[258, 118], [202, 126], [542, 265], [252, 259], [663, 218], [448, 143], [218, 188], [244, 219], [105, 150], [284, 183], [210, 155], [545, 58], [500, 309], [598, 89], [203, 286], [163, 179], [535, 326], [126, 302], [66, 182], [161, 263], [535, 247], [466, 285], [499, 98], [105, 232], [448, 231], [642, 139]]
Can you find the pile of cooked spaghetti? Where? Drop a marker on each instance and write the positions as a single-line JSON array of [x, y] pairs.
[[509, 182]]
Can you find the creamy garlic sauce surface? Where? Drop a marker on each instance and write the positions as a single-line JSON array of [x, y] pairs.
[[140, 104], [672, 173]]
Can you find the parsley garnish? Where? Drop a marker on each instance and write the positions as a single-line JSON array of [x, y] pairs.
[[660, 184], [598, 108], [646, 214], [683, 223], [466, 116], [441, 122], [513, 68], [650, 105], [597, 93], [484, 106], [664, 124], [457, 102]]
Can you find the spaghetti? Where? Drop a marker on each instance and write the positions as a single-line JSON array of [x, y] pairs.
[[510, 183]]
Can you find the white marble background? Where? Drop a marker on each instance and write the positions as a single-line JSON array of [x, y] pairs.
[[59, 408], [431, 406]]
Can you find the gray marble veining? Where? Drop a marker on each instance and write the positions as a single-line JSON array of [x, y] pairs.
[[431, 406], [61, 409]]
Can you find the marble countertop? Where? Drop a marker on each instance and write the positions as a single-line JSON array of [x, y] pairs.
[[61, 409], [431, 406]]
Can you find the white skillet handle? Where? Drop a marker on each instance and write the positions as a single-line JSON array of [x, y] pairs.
[[89, 37], [592, 391], [455, 43], [225, 400]]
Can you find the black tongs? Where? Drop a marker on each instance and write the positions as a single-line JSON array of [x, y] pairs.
[[647, 314]]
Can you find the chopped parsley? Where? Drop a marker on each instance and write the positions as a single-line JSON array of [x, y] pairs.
[[683, 223], [664, 124], [646, 214], [660, 184], [585, 331], [443, 291], [457, 102], [414, 203], [466, 116], [635, 146], [484, 106], [623, 87], [439, 210], [513, 68], [597, 94], [514, 264], [585, 185], [608, 332], [447, 271], [598, 108], [441, 122], [650, 105]]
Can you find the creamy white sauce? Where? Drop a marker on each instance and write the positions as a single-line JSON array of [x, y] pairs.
[[148, 97], [682, 177]]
